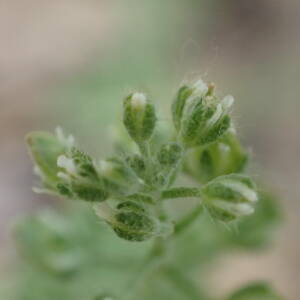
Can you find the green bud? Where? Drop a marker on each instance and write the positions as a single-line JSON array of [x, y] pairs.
[[169, 154], [89, 192], [199, 117], [79, 178], [137, 164], [223, 157], [84, 164], [255, 291], [63, 169], [229, 197], [45, 148], [132, 223], [139, 117]]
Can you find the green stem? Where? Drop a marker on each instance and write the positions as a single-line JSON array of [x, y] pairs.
[[151, 262], [187, 220], [180, 192]]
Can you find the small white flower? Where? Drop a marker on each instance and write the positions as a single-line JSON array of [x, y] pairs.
[[67, 164], [66, 141], [138, 101]]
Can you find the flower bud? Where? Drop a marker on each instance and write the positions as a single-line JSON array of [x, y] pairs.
[[132, 223], [79, 178], [45, 148], [89, 192], [137, 164], [169, 154], [199, 117], [229, 197], [198, 90], [139, 117]]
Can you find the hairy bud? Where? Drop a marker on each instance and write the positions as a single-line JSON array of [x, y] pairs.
[[45, 149], [139, 117], [64, 169], [137, 164], [229, 197], [132, 223], [169, 154], [199, 117]]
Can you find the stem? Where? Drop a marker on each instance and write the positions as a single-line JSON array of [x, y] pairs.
[[150, 264], [181, 192], [146, 153], [187, 220]]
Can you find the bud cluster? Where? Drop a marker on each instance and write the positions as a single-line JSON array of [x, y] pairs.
[[199, 117], [127, 189]]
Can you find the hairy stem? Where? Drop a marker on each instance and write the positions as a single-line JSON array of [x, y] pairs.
[[150, 264], [180, 192]]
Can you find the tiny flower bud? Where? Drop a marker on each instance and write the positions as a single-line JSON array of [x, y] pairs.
[[137, 164], [132, 223], [229, 197], [169, 154], [45, 149], [139, 117], [89, 192], [198, 117]]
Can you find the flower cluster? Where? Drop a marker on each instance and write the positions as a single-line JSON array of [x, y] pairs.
[[127, 190]]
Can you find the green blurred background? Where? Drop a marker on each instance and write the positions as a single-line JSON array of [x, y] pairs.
[[71, 62]]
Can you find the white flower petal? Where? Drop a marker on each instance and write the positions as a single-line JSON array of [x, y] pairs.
[[138, 101], [66, 163]]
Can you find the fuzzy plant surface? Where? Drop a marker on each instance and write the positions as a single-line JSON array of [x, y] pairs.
[[148, 221]]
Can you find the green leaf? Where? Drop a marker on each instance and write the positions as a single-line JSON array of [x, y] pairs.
[[255, 291]]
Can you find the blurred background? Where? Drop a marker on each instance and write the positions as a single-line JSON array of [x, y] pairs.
[[71, 62]]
